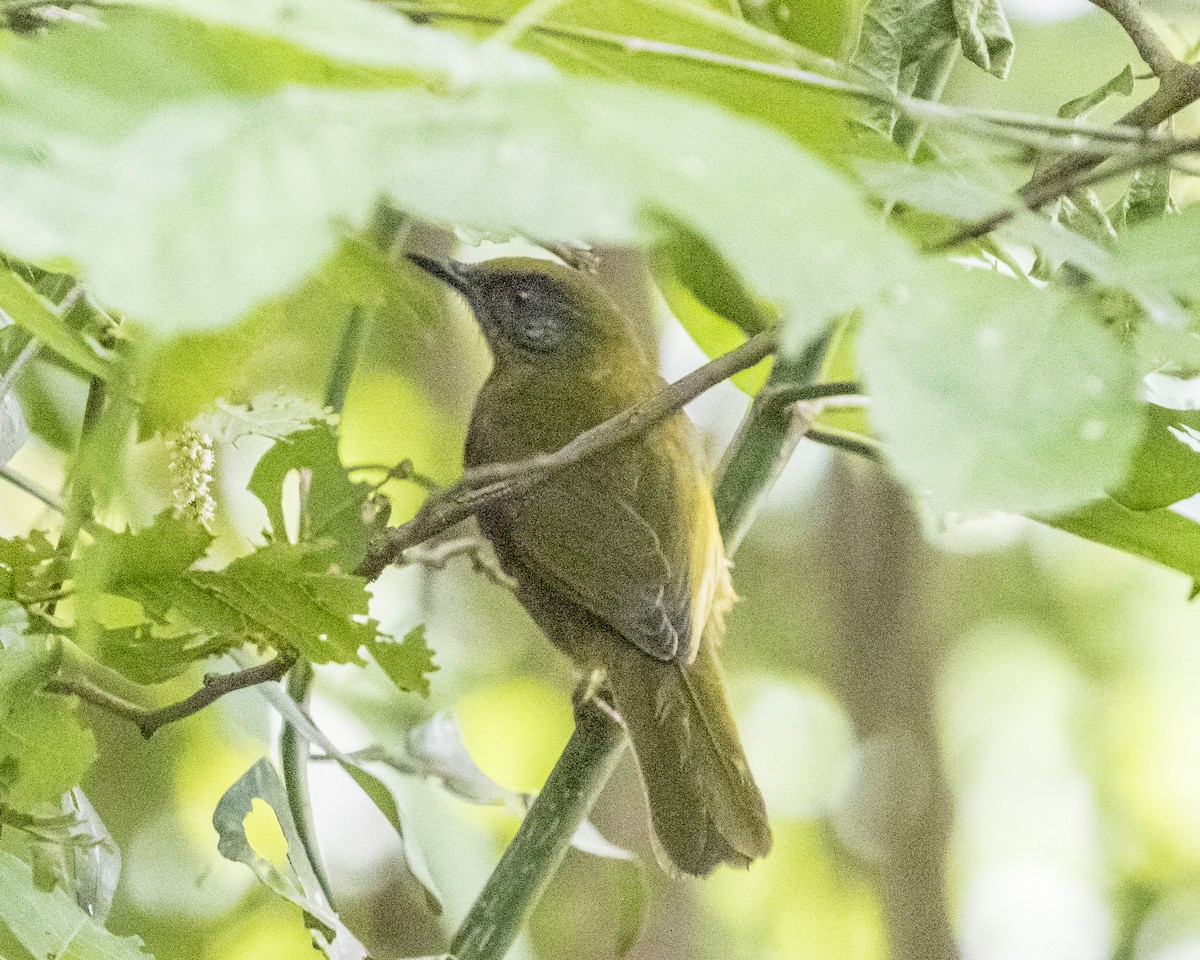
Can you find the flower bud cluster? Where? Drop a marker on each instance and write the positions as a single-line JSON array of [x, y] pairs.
[[191, 466]]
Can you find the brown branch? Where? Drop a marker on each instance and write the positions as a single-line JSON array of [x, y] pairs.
[[484, 485], [149, 719], [1131, 17]]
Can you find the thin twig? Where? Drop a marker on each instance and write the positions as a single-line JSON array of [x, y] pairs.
[[485, 485], [35, 490], [436, 556], [1017, 126], [148, 719], [843, 441], [1132, 18]]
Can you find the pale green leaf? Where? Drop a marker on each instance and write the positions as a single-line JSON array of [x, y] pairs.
[[262, 181], [1119, 86], [1162, 252], [994, 394], [295, 881], [51, 924]]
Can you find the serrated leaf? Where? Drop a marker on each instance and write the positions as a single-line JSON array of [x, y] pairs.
[[1166, 464], [274, 415], [295, 881], [22, 562], [334, 505], [407, 663], [994, 394], [282, 594], [1119, 86], [51, 924]]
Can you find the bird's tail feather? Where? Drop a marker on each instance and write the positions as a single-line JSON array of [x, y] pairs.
[[704, 804]]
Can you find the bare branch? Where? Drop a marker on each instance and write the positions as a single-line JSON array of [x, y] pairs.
[[149, 720], [1132, 18]]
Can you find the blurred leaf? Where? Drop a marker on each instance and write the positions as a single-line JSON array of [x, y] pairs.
[[21, 563], [334, 506], [49, 749], [350, 31], [407, 663], [994, 394], [1119, 86], [435, 749], [274, 415], [689, 260], [13, 431], [1148, 197], [26, 662], [75, 852], [380, 795], [31, 311], [1166, 464], [1162, 536], [295, 881], [285, 345], [52, 924], [1160, 252], [261, 180]]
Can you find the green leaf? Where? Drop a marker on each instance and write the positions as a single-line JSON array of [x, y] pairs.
[[994, 394], [22, 563], [899, 35], [294, 880], [1119, 86], [262, 180], [26, 662], [286, 344], [43, 741], [281, 593], [51, 924], [1162, 536], [375, 789], [334, 506], [1166, 464], [407, 663], [688, 260], [74, 851], [38, 316], [1148, 197], [1161, 252]]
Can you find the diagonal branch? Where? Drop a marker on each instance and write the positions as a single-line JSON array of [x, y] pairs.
[[148, 720], [1132, 18], [484, 485]]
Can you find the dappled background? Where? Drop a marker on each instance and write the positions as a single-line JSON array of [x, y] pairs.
[[970, 730]]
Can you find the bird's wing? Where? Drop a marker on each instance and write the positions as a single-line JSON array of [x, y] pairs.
[[583, 533]]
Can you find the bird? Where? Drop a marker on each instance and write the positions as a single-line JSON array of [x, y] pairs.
[[619, 558]]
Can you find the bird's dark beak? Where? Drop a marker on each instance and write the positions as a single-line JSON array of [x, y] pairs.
[[451, 273]]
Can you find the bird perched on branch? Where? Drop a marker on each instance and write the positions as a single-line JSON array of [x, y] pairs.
[[618, 558]]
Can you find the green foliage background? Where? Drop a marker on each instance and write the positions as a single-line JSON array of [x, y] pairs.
[[970, 727]]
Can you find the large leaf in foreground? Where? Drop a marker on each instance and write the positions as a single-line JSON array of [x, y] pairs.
[[994, 394], [262, 181]]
